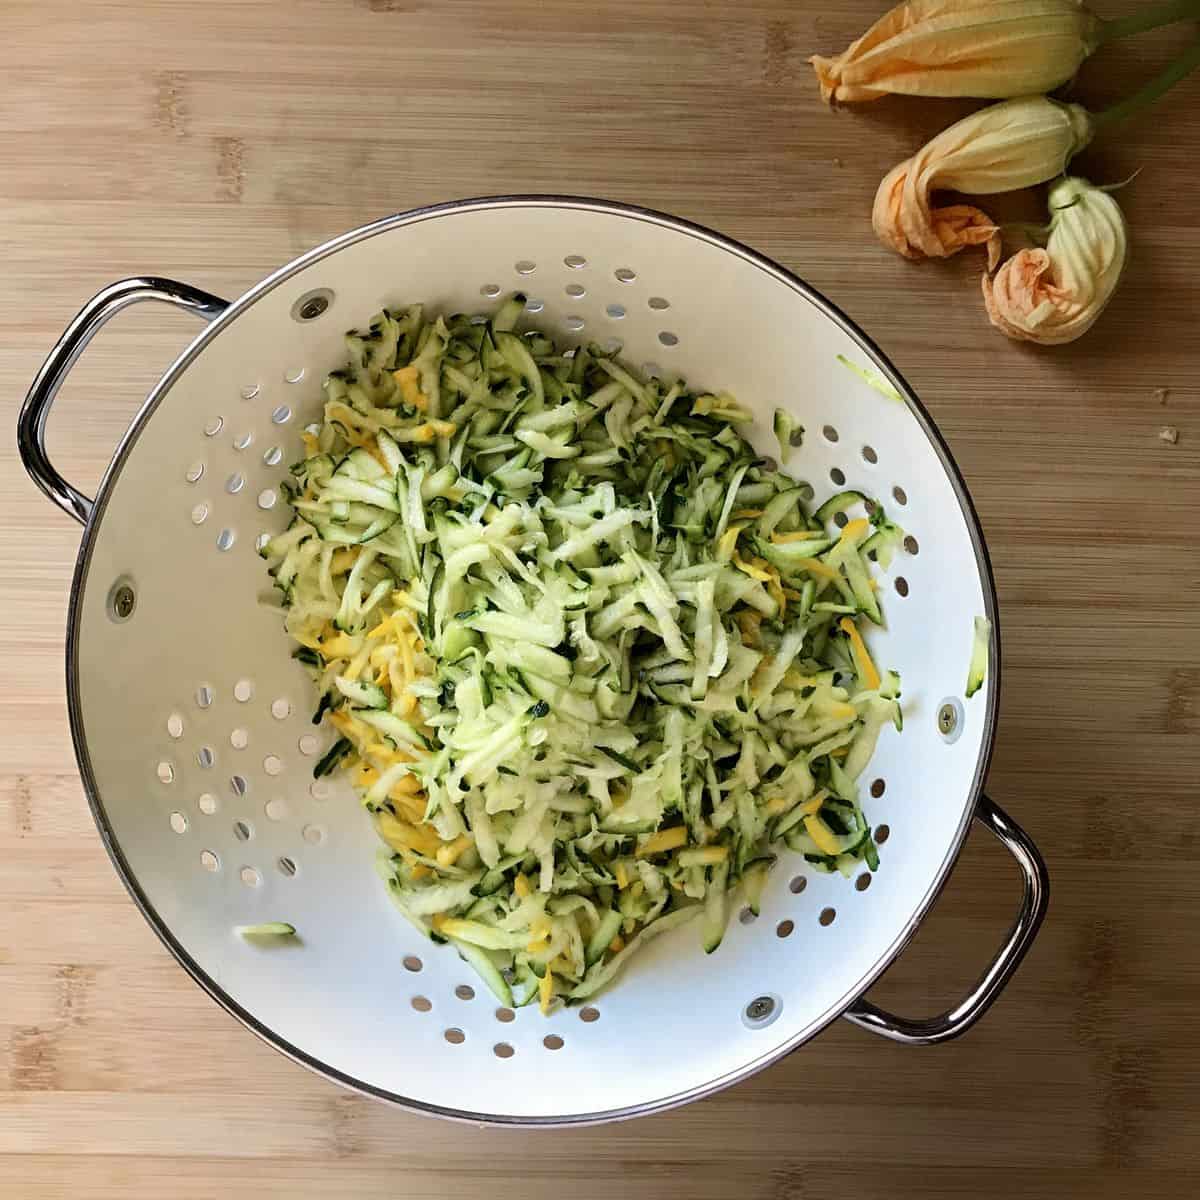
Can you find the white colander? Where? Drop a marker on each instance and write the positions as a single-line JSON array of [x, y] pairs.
[[191, 719]]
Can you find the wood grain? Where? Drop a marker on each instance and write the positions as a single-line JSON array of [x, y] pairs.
[[213, 142]]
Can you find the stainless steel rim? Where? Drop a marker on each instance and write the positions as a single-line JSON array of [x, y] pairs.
[[282, 275]]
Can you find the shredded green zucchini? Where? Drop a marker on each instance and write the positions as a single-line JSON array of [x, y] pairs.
[[591, 663], [977, 668], [269, 929], [872, 378]]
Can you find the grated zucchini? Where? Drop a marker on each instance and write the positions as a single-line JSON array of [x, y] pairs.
[[591, 663], [977, 669]]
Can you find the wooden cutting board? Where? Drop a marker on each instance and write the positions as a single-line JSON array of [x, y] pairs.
[[214, 142]]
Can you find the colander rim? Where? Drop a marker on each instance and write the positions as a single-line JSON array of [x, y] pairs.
[[213, 330]]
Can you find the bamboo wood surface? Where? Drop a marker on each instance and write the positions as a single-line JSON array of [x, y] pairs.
[[213, 142]]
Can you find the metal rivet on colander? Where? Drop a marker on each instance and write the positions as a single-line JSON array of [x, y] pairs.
[[122, 600], [762, 1011], [312, 305], [950, 719]]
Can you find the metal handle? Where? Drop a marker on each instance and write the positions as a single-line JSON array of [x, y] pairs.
[[962, 1016], [31, 425]]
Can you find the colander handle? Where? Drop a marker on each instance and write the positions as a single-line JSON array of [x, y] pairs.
[[962, 1016], [31, 424]]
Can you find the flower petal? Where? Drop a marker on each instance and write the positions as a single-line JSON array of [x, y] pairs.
[[985, 48], [905, 221], [1000, 148], [1055, 295]]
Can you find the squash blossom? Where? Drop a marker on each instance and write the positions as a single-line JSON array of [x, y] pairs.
[[1000, 148], [1054, 295], [991, 49]]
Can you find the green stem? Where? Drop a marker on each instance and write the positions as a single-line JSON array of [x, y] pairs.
[[1184, 65], [1150, 18]]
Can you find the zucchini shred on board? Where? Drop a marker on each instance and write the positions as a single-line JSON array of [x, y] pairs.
[[591, 661]]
